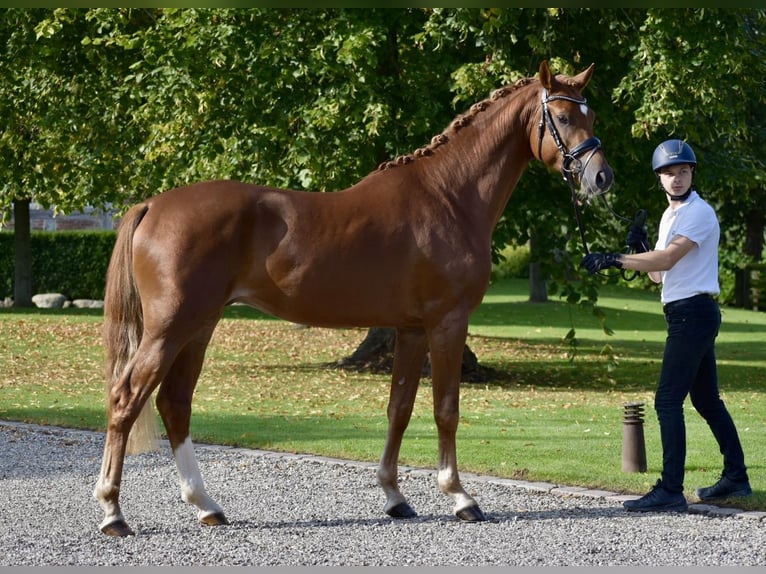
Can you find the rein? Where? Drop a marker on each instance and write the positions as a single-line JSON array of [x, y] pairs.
[[572, 166]]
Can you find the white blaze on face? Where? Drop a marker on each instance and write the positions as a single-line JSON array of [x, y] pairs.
[[584, 110]]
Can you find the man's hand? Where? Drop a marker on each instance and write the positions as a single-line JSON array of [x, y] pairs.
[[595, 262]]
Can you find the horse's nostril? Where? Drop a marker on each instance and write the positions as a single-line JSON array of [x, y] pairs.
[[604, 180]]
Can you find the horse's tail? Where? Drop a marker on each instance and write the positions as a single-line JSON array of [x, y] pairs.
[[124, 325]]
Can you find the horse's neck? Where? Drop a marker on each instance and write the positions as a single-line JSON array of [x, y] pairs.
[[482, 163]]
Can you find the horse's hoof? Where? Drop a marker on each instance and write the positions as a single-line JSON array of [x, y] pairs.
[[215, 519], [118, 528], [471, 514], [402, 510]]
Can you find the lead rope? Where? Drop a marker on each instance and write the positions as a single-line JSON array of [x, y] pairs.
[[578, 215]]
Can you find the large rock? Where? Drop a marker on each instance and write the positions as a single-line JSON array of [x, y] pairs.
[[88, 303], [49, 300]]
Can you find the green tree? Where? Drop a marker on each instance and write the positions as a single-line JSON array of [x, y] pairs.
[[309, 99], [113, 105], [61, 139]]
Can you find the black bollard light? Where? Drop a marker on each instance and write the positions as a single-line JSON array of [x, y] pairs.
[[633, 446]]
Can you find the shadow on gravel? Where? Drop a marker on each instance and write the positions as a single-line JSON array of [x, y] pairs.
[[492, 518]]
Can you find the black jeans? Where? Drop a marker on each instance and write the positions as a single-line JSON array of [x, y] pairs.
[[689, 368]]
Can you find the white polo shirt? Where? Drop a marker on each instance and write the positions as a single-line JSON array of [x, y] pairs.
[[697, 271]]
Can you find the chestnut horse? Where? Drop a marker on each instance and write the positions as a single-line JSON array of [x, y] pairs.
[[407, 247]]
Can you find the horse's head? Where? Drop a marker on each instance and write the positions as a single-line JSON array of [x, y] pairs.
[[565, 139]]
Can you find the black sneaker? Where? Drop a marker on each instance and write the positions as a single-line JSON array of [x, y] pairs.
[[725, 488], [658, 500]]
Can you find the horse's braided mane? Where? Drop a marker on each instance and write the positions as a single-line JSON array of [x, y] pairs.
[[457, 124]]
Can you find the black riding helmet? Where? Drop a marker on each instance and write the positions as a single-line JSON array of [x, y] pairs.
[[674, 152]]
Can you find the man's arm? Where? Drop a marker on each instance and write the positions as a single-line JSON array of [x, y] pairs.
[[654, 262]]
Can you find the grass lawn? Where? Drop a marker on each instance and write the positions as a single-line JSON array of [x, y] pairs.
[[548, 416]]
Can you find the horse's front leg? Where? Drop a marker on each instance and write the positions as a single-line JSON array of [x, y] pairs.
[[446, 351], [409, 358]]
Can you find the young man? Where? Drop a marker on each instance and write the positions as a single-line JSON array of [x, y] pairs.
[[685, 261]]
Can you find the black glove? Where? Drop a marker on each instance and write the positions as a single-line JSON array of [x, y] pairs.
[[594, 262]]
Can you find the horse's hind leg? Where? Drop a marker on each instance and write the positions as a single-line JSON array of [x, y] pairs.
[[126, 399], [409, 357], [174, 404], [107, 490]]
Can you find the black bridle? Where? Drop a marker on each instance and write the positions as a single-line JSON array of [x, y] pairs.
[[572, 166]]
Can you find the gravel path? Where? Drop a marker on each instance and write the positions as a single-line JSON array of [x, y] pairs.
[[305, 511]]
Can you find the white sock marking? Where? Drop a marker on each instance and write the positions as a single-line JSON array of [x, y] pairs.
[[190, 480]]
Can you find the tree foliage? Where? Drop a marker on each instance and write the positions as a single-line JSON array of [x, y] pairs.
[[110, 105]]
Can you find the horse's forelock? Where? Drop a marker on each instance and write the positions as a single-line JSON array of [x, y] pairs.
[[567, 81]]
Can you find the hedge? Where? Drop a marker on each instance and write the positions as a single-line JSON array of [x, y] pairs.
[[73, 263]]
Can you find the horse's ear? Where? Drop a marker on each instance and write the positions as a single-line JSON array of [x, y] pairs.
[[581, 80], [545, 75]]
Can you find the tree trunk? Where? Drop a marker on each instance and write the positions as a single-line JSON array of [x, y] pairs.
[[755, 220], [375, 354], [22, 254], [538, 291]]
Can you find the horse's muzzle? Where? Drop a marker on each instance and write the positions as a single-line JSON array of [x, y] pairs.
[[597, 176]]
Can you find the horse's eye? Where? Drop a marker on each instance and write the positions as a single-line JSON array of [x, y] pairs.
[[563, 119]]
